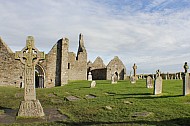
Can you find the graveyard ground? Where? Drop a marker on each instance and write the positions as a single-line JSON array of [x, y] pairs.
[[106, 104]]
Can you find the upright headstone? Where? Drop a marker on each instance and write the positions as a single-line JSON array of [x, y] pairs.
[[166, 77], [89, 76], [149, 83], [177, 76], [114, 78], [133, 79], [172, 77], [29, 56], [158, 83], [180, 77], [186, 80], [139, 77], [93, 84], [143, 76], [130, 75]]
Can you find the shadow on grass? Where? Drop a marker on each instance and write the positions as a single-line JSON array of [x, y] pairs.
[[9, 111], [146, 96], [172, 122]]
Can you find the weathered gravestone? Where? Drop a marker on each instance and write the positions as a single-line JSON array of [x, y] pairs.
[[158, 83], [143, 76], [133, 79], [172, 77], [89, 76], [186, 80], [176, 76], [166, 77], [72, 98], [93, 84], [149, 83], [180, 77], [29, 56], [114, 78]]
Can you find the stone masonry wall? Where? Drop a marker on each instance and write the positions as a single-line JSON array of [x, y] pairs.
[[77, 65], [116, 65], [99, 74], [77, 68], [59, 65], [50, 62], [11, 70], [64, 63], [98, 69]]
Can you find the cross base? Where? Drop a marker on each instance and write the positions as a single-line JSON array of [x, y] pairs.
[[30, 109]]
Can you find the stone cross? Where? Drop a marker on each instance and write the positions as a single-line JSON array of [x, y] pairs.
[[30, 56], [134, 69], [186, 67], [158, 73]]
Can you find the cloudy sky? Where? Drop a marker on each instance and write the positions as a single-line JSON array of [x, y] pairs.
[[154, 34]]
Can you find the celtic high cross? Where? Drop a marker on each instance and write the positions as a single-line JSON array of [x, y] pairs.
[[134, 69], [30, 56]]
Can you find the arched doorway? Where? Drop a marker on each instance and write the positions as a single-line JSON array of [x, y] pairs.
[[39, 76]]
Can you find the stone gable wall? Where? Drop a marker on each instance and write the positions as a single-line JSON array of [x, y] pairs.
[[11, 70], [116, 65], [77, 65], [98, 64], [78, 68]]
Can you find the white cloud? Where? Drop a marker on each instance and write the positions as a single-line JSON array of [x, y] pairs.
[[150, 39]]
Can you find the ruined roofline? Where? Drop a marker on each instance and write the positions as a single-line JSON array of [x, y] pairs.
[[55, 45], [6, 46], [98, 60], [117, 58], [81, 47]]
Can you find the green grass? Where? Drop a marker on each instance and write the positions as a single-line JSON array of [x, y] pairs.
[[170, 108]]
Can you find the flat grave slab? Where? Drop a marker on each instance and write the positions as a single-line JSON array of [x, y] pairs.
[[90, 96], [72, 98], [51, 115]]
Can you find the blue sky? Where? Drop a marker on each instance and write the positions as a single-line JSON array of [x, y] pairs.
[[154, 34]]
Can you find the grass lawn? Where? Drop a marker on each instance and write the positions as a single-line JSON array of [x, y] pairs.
[[114, 104]]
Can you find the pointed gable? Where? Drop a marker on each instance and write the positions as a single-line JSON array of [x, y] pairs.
[[116, 65], [98, 63], [4, 48], [115, 61]]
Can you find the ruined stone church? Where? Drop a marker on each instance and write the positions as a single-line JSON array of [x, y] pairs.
[[59, 66]]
